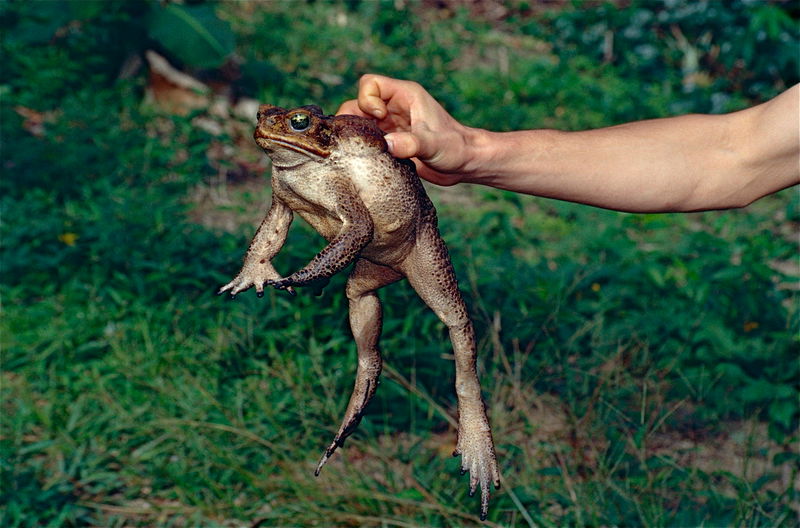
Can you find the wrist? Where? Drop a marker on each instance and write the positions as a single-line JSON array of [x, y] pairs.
[[494, 157], [479, 150]]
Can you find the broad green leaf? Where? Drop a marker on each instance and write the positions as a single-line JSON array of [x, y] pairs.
[[783, 411], [762, 390], [194, 34]]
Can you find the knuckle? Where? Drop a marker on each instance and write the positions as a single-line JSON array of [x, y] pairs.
[[366, 78]]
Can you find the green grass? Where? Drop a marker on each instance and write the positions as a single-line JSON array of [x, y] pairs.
[[639, 370]]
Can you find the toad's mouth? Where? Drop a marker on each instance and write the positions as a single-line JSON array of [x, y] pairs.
[[270, 144]]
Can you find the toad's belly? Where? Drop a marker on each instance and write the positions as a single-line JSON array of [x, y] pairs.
[[390, 192], [392, 237]]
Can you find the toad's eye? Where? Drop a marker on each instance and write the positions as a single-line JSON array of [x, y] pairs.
[[300, 122]]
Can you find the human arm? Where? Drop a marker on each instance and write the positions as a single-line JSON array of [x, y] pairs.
[[685, 163]]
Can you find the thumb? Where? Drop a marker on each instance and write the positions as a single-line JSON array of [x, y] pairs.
[[402, 144]]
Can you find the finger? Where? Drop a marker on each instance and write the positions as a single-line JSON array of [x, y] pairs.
[[374, 91], [370, 98], [402, 144], [433, 176], [384, 88], [428, 142], [350, 108]]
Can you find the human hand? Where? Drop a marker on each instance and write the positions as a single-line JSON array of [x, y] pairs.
[[417, 127]]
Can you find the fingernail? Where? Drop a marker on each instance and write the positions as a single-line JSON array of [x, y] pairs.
[[389, 142]]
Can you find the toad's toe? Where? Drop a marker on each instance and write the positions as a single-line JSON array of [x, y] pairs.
[[478, 458]]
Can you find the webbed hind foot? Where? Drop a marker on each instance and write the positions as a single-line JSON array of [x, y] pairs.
[[476, 448]]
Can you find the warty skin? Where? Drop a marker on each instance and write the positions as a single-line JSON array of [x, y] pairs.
[[336, 173]]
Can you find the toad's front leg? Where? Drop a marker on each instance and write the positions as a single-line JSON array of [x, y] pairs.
[[268, 240], [355, 233]]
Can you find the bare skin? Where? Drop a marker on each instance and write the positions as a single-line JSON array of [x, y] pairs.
[[677, 164], [337, 174]]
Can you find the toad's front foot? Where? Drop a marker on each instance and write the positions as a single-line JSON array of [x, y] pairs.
[[478, 457], [249, 277], [317, 285]]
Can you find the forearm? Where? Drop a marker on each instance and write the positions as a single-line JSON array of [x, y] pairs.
[[271, 234], [686, 163]]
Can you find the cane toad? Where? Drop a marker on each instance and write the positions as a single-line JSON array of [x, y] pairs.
[[337, 174]]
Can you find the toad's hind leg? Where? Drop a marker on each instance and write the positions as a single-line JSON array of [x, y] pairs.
[[365, 322], [430, 272]]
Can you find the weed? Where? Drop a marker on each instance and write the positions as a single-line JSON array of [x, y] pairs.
[[640, 369]]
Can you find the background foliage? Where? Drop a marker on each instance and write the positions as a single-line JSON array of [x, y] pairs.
[[640, 369]]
